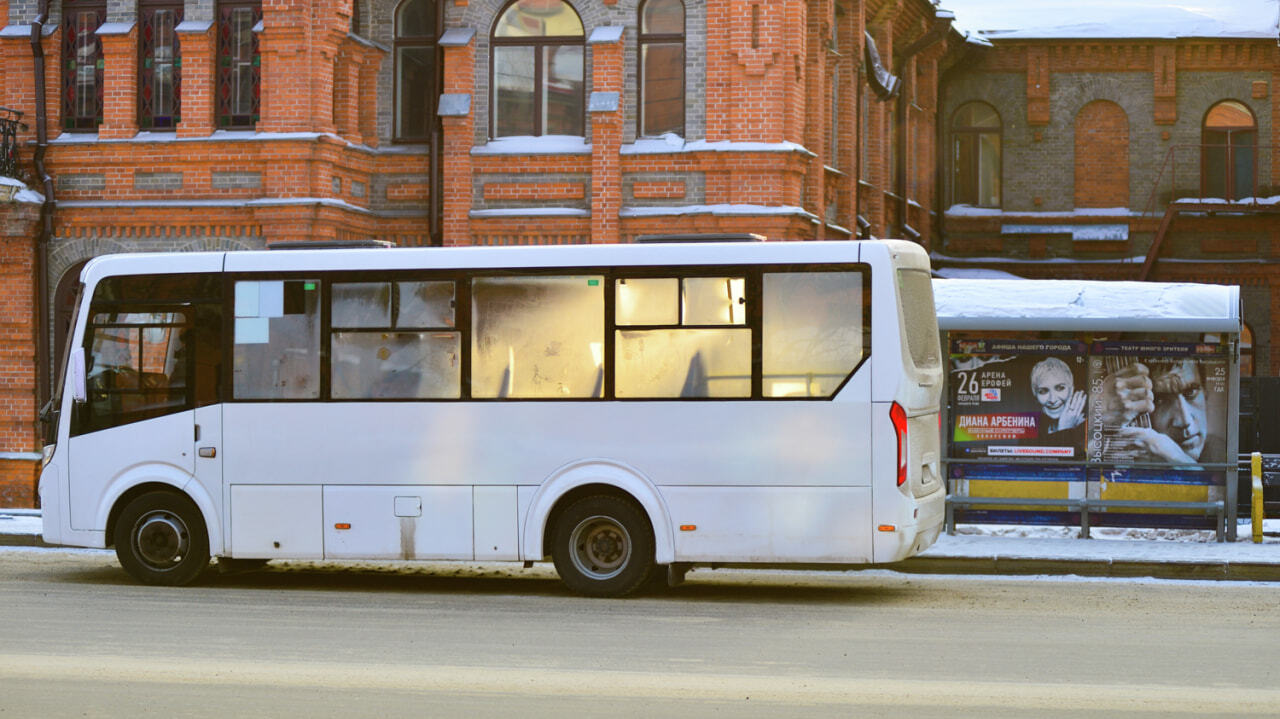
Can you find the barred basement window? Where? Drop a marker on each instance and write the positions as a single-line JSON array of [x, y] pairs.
[[419, 24], [238, 73], [82, 64], [537, 70], [661, 67], [159, 63]]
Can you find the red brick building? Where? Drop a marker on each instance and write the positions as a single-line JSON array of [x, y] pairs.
[[233, 124], [1126, 145]]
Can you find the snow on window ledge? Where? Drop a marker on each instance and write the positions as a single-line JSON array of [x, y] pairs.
[[535, 145]]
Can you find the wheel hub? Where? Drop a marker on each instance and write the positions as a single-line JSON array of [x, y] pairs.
[[161, 539], [601, 547]]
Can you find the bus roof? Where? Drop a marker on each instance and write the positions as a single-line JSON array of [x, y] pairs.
[[532, 256]]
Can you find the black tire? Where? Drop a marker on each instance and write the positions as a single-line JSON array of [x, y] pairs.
[[603, 546], [161, 539]]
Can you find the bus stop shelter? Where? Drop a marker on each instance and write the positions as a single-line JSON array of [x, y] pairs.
[[1090, 403]]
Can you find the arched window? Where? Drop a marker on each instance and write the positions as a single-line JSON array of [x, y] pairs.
[[1102, 155], [975, 144], [419, 24], [661, 67], [1228, 162], [537, 70]]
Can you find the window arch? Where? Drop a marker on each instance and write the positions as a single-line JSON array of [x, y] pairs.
[[1228, 158], [537, 70], [418, 26], [975, 144], [661, 65], [1102, 155]]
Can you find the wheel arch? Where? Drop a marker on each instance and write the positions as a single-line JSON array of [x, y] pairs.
[[587, 477], [193, 491]]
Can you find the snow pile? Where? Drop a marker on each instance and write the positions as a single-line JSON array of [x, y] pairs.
[[20, 192]]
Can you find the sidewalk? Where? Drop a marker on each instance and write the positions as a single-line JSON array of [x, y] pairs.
[[987, 554]]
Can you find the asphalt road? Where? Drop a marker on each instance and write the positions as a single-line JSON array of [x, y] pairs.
[[80, 639]]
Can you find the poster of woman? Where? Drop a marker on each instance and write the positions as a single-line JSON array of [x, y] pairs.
[[1013, 398]]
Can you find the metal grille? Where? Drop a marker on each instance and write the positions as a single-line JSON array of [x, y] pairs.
[[159, 67], [82, 65], [238, 65]]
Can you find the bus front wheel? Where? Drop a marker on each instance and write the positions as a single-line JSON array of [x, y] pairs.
[[160, 538], [603, 546]]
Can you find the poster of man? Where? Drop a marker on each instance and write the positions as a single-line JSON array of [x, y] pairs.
[[1014, 398], [1158, 403]]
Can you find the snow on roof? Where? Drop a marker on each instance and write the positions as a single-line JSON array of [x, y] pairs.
[[1093, 19], [1085, 305]]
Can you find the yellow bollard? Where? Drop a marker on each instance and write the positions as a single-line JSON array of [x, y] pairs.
[[1257, 498]]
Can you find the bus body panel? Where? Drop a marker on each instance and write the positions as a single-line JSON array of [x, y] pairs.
[[409, 522], [768, 524], [106, 463]]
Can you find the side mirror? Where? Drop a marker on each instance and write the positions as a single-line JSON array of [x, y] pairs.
[[76, 377]]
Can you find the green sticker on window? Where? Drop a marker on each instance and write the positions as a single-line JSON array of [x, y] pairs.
[[308, 286], [593, 283]]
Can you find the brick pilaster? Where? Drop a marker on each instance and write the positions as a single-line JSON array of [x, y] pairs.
[[607, 77], [120, 81], [199, 45], [18, 222], [458, 129], [370, 66]]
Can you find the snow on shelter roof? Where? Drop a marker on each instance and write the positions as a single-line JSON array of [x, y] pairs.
[[1117, 19], [1084, 305]]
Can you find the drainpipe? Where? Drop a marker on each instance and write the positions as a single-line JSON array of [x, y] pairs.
[[941, 26], [43, 392]]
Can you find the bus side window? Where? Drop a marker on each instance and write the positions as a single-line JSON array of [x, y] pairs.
[[395, 340], [277, 339], [537, 337], [813, 331], [676, 343]]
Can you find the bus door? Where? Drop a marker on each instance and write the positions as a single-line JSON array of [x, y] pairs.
[[136, 424], [152, 355]]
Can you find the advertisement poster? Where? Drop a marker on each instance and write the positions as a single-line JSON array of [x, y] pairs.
[[1018, 398], [1161, 403]]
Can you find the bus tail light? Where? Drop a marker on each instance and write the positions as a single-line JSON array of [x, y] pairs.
[[899, 418]]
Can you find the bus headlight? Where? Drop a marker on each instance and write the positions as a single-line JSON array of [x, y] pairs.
[[48, 455]]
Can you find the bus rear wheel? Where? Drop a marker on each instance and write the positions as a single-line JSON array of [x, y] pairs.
[[603, 546], [161, 539]]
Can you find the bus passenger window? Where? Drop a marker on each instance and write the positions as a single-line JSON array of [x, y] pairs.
[[813, 332], [678, 345], [537, 337], [394, 340], [277, 339]]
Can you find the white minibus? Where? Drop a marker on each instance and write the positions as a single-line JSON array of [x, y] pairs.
[[628, 411]]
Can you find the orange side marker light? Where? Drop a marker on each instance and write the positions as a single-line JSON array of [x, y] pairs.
[[887, 528], [342, 525], [688, 527]]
